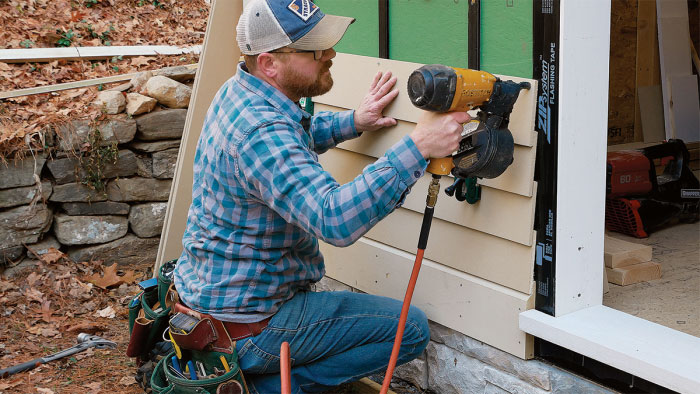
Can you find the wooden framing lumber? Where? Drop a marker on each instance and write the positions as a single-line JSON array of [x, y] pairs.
[[481, 309], [75, 84], [32, 55], [353, 75], [635, 273], [620, 253]]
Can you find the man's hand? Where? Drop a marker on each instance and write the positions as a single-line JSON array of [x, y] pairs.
[[368, 117], [438, 134]]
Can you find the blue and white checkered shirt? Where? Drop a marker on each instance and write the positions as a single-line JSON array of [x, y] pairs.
[[261, 200]]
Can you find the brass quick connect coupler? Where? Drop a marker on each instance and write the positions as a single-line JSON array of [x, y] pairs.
[[433, 191]]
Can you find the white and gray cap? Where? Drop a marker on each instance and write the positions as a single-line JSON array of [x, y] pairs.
[[266, 25]]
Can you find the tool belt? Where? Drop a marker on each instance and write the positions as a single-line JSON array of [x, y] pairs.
[[218, 335], [204, 359]]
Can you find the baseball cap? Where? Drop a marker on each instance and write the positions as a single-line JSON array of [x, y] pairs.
[[266, 25]]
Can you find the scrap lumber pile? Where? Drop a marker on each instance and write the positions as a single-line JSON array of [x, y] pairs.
[[627, 263]]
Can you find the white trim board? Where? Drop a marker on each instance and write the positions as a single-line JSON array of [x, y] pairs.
[[31, 55], [583, 122], [651, 351]]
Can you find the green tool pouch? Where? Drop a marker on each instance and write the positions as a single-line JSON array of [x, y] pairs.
[[167, 378], [148, 313]]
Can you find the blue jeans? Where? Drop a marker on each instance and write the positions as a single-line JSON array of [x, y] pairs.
[[334, 337]]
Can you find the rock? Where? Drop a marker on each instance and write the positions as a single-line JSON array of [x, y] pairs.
[[137, 104], [24, 267], [24, 224], [110, 102], [76, 192], [160, 125], [73, 135], [150, 147], [414, 372], [146, 220], [178, 73], [21, 172], [44, 245], [120, 131], [138, 189], [509, 383], [23, 195], [11, 254], [144, 166], [127, 251], [95, 208], [140, 79], [164, 163], [168, 92], [84, 230], [452, 372], [64, 170], [532, 372]]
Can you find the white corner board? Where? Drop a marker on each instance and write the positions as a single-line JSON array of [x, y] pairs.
[[651, 351]]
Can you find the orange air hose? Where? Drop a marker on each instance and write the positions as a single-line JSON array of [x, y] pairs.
[[433, 190], [285, 369]]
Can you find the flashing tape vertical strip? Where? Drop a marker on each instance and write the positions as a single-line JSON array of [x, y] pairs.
[[384, 29], [474, 35], [546, 70]]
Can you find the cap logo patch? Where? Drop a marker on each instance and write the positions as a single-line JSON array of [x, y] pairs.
[[303, 8]]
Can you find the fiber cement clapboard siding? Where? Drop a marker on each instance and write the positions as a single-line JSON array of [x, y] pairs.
[[516, 179], [499, 213], [480, 276], [481, 309], [352, 76]]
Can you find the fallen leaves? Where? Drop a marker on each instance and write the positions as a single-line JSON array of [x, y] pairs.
[[107, 312], [89, 327], [110, 278]]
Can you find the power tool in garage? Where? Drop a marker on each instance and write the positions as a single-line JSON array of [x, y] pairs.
[[485, 150], [638, 200]]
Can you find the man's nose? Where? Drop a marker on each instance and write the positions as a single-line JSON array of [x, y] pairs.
[[328, 54]]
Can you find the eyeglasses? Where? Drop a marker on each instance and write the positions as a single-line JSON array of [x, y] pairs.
[[318, 54]]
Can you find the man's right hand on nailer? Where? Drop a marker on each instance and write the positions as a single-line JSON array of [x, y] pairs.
[[438, 134]]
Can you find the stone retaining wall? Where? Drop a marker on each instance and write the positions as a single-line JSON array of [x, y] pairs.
[[45, 201]]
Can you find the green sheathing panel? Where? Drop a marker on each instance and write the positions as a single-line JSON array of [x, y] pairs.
[[425, 31], [362, 36], [506, 37]]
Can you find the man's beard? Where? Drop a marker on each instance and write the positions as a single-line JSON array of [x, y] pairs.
[[297, 85]]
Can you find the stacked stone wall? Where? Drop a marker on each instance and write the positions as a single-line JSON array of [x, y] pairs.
[[99, 189]]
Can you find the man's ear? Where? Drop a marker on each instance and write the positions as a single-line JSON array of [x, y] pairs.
[[268, 65]]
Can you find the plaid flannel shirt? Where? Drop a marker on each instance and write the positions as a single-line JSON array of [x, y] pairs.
[[261, 201]]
